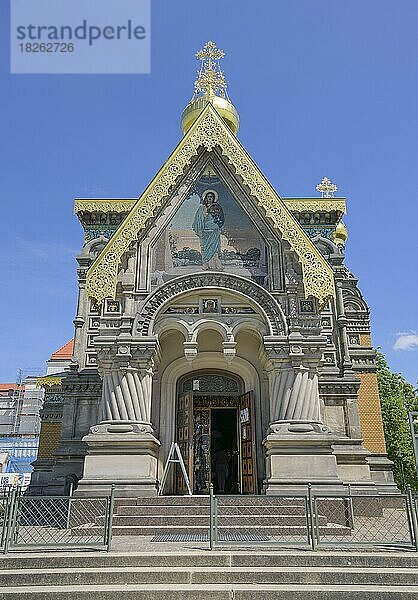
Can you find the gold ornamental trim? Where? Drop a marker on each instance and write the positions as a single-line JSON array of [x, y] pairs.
[[209, 132], [315, 204], [118, 205], [48, 381]]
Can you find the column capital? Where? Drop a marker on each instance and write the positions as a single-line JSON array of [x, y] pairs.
[[118, 354]]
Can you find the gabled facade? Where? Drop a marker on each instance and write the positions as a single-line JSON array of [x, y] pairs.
[[218, 315]]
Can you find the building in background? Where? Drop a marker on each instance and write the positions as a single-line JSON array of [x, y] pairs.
[[20, 417]]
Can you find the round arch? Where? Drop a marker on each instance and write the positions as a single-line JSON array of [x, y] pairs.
[[266, 304], [206, 361]]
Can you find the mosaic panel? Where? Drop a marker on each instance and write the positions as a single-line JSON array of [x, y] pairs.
[[210, 232]]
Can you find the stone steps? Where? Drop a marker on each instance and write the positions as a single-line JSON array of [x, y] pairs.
[[197, 575], [210, 592], [203, 520], [175, 510], [209, 575], [202, 500], [266, 531], [256, 558], [238, 515], [164, 501]]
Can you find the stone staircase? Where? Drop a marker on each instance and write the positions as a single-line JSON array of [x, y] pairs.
[[239, 516], [200, 575]]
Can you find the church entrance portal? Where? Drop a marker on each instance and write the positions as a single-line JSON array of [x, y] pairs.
[[216, 435]]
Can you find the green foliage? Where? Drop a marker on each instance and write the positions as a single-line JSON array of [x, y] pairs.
[[397, 398]]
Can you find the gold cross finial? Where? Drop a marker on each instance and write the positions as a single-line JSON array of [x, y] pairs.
[[210, 79], [327, 188], [210, 52]]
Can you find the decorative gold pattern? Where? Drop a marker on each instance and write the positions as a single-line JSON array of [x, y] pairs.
[[293, 204], [210, 86], [315, 204], [210, 80], [327, 188], [209, 132], [48, 381], [215, 401], [104, 205]]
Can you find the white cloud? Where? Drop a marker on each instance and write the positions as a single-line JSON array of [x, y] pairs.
[[407, 340]]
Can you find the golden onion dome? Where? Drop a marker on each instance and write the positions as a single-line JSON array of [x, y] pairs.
[[223, 106], [210, 88], [340, 234]]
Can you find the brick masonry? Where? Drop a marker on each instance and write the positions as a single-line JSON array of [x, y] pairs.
[[370, 413], [49, 439], [365, 339]]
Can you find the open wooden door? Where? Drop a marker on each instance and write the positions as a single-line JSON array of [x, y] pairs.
[[185, 440], [247, 444]]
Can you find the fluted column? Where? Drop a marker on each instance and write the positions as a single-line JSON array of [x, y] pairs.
[[294, 395], [126, 395], [122, 448], [298, 446]]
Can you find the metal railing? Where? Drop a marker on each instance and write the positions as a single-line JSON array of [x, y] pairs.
[[315, 520], [278, 519], [310, 520], [59, 522]]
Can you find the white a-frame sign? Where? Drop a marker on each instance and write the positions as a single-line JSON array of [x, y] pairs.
[[174, 452]]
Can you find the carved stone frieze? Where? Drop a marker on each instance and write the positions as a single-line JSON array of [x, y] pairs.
[[310, 323], [338, 387], [124, 353], [256, 293]]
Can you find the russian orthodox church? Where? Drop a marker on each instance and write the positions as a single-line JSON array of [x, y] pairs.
[[215, 314]]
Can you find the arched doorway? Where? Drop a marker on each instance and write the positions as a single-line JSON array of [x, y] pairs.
[[215, 429]]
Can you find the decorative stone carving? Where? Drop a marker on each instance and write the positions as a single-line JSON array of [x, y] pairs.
[[213, 383], [263, 298]]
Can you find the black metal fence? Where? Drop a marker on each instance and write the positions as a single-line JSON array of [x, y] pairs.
[[315, 520], [34, 521]]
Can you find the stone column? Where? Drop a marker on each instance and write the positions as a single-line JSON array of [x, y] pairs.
[[126, 395], [347, 366], [295, 396], [122, 449], [298, 445]]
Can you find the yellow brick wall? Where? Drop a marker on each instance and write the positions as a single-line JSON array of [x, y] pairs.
[[49, 439], [370, 414]]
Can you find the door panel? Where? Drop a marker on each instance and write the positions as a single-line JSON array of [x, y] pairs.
[[201, 449], [247, 443], [185, 440]]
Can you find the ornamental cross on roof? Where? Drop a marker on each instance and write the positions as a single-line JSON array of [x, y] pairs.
[[210, 79], [327, 188]]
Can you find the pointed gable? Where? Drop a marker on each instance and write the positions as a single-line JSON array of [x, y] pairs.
[[65, 352], [209, 131]]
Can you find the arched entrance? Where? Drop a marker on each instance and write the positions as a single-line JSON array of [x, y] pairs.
[[201, 333], [215, 429]]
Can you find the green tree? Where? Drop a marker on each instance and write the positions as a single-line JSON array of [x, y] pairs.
[[397, 398]]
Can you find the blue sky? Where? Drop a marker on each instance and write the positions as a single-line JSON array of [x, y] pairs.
[[323, 88]]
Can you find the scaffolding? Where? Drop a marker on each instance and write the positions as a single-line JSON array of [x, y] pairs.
[[27, 402]]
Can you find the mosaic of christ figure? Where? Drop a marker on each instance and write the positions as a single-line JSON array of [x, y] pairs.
[[207, 224]]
